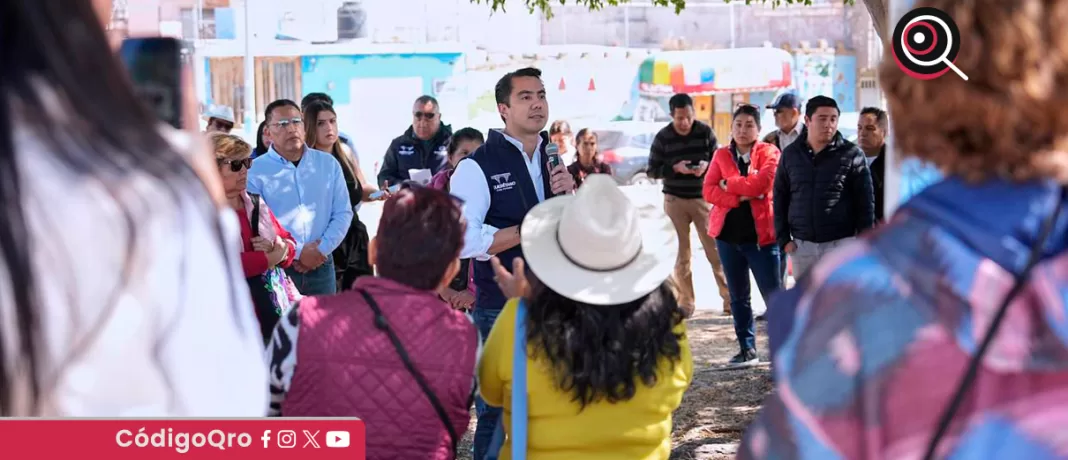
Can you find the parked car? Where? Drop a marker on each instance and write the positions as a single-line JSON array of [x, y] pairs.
[[625, 146]]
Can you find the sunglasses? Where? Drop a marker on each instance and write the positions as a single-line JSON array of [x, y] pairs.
[[237, 165], [287, 123], [425, 115]]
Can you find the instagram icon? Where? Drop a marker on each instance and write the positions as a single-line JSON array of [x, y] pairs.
[[287, 439]]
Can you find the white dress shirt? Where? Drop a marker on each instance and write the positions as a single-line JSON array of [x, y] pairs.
[[787, 138], [469, 184]]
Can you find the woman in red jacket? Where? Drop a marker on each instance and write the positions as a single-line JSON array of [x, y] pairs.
[[738, 185], [266, 247]]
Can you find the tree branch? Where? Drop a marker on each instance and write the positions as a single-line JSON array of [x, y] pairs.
[[876, 8]]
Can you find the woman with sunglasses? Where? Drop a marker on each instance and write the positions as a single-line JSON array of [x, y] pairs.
[[266, 247]]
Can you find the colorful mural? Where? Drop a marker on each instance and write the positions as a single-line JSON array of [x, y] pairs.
[[704, 72], [827, 74], [845, 83], [814, 74]]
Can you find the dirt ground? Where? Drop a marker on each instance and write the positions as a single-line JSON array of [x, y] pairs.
[[720, 402]]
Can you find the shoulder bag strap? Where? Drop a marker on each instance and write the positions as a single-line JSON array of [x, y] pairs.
[[971, 372], [383, 325], [519, 384], [254, 220]]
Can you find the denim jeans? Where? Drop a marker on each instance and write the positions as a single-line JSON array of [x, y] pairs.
[[321, 281], [738, 260], [488, 416]]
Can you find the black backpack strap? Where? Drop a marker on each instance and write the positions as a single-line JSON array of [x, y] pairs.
[[383, 325], [254, 220]]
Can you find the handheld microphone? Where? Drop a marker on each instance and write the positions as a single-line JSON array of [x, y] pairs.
[[552, 151]]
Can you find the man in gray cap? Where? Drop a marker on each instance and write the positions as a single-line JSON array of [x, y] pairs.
[[787, 109]]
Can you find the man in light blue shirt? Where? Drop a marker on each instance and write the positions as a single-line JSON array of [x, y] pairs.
[[306, 191]]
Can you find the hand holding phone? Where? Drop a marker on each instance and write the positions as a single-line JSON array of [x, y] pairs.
[[156, 72]]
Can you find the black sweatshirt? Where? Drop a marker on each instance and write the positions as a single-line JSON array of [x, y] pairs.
[[670, 147]]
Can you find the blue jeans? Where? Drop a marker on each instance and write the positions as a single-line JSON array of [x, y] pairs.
[[488, 416], [321, 281], [738, 260]]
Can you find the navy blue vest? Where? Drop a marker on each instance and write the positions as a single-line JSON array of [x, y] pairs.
[[512, 194]]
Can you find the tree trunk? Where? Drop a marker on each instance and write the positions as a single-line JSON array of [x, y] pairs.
[[879, 16]]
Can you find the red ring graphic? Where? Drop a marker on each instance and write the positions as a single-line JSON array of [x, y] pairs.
[[905, 37]]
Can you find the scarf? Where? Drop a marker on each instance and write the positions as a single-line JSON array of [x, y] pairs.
[[266, 224]]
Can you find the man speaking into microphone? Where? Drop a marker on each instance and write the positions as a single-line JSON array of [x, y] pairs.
[[499, 183]]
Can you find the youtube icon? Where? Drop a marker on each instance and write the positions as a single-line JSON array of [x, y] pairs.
[[337, 439]]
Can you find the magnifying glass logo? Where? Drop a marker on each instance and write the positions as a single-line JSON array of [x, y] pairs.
[[925, 44]]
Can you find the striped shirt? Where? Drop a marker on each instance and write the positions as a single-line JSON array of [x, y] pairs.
[[670, 147]]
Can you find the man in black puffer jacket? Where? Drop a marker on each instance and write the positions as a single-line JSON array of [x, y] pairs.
[[823, 190]]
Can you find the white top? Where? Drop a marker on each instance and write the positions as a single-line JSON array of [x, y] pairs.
[[469, 184], [177, 337], [787, 138]]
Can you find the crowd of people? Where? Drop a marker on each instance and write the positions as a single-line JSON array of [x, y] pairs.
[[795, 195], [496, 282]]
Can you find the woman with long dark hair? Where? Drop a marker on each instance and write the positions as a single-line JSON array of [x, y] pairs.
[[321, 133], [120, 289], [605, 348], [262, 144]]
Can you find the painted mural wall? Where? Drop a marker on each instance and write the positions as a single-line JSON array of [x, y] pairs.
[[373, 94], [827, 74]]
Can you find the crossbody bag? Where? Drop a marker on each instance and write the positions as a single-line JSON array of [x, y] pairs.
[[383, 325]]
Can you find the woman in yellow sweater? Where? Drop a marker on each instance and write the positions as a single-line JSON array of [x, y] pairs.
[[607, 359]]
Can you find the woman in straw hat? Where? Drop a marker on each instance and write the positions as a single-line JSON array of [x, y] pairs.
[[600, 331]]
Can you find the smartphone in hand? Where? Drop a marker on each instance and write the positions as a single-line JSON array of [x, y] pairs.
[[155, 68]]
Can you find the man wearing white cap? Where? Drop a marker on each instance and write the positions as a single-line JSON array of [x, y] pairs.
[[220, 119]]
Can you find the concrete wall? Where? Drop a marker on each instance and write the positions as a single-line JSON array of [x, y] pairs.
[[373, 94]]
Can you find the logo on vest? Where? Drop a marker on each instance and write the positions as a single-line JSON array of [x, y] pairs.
[[405, 150], [502, 182], [443, 150]]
